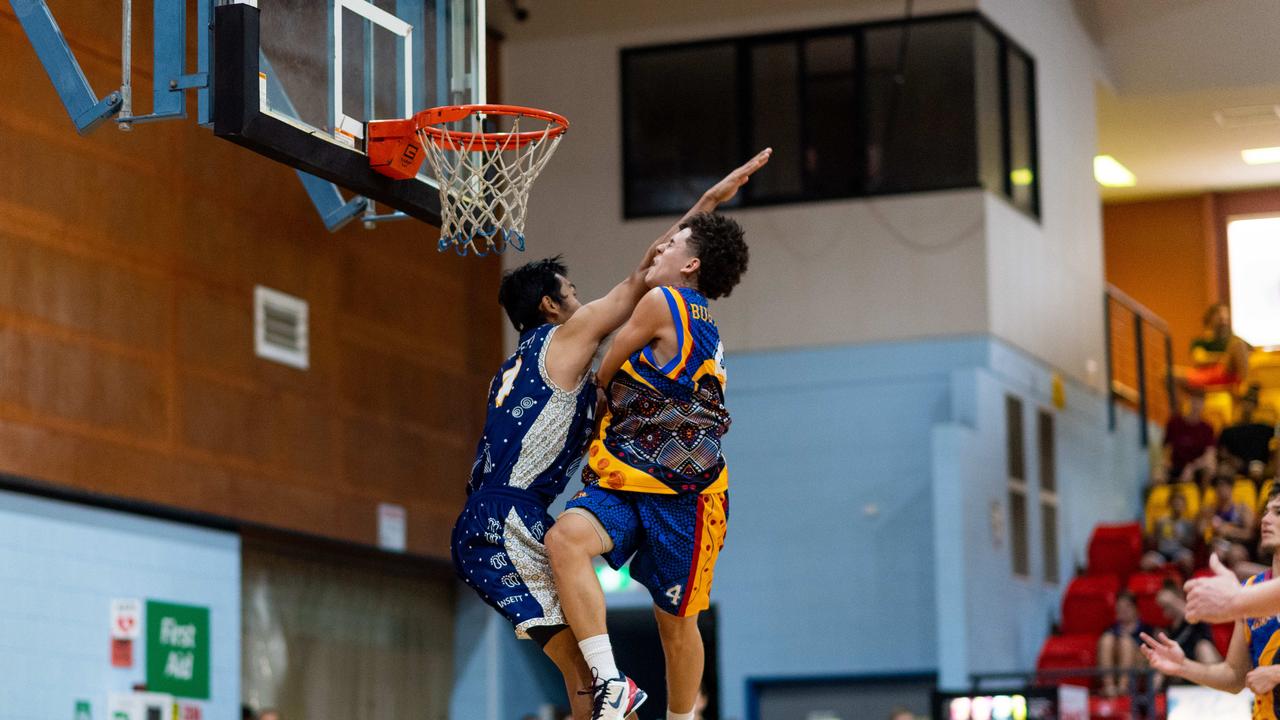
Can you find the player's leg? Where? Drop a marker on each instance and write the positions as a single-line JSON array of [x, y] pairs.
[[560, 645], [682, 647], [678, 573], [572, 543], [596, 522]]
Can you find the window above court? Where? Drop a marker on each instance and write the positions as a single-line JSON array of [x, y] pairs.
[[931, 103]]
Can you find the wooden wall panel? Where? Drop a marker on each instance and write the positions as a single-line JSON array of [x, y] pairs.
[[127, 267]]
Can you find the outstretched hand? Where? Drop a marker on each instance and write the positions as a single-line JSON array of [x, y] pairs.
[[723, 191], [1164, 655], [1209, 599]]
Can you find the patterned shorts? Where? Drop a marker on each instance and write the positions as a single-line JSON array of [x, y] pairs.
[[672, 541], [498, 552]]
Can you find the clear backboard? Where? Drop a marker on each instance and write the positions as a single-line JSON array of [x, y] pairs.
[[297, 81]]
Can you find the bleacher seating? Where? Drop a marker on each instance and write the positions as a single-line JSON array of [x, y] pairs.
[[1144, 587], [1089, 607], [1157, 504], [1068, 652], [1115, 550]]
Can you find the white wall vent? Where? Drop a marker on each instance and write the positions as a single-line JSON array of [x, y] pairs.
[[280, 327], [1247, 116]]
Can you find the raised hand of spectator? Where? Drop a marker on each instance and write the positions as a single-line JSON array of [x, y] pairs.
[[1164, 655], [1263, 679], [1209, 599]]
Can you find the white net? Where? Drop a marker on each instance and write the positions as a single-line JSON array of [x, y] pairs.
[[484, 184]]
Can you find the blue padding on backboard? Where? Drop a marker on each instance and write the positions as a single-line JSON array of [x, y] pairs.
[[169, 57], [68, 79]]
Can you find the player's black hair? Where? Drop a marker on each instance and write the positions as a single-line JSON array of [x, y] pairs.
[[717, 241], [522, 291]]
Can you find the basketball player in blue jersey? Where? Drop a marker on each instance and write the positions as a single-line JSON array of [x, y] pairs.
[[1252, 656], [656, 492], [539, 419]]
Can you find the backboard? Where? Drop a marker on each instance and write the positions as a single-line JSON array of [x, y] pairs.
[[296, 80]]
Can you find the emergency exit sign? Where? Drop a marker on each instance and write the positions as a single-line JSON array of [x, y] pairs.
[[178, 649]]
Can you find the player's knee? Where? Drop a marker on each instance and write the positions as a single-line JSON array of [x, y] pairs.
[[564, 541], [678, 631]]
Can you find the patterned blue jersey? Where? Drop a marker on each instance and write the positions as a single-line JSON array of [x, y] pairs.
[[665, 423], [534, 432]]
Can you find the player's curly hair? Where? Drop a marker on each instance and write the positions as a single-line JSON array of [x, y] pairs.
[[717, 241], [522, 291]]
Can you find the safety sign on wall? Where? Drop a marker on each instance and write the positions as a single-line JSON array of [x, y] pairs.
[[178, 649]]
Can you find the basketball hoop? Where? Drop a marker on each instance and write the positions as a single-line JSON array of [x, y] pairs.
[[484, 177]]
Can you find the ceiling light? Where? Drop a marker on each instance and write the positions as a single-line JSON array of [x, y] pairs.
[[1022, 177], [1110, 173], [1261, 156]]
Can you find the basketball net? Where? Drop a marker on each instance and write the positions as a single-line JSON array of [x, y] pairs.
[[484, 180]]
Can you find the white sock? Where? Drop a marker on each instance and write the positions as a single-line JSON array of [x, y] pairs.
[[679, 716], [598, 653]]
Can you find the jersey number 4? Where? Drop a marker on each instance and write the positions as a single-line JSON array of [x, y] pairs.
[[674, 594], [508, 382]]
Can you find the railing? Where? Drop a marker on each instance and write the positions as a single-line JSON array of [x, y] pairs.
[[1142, 701], [1139, 361]]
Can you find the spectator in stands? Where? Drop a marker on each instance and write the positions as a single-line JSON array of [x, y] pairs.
[[1218, 357], [1247, 444], [1118, 646], [1173, 540], [1195, 639], [1188, 442], [1227, 524]]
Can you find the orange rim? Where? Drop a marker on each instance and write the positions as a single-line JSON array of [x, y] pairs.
[[428, 120]]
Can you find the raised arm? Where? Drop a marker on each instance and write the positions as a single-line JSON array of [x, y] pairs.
[[1229, 675], [577, 340], [650, 321]]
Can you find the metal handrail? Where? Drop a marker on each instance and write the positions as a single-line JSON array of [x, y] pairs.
[[1146, 699], [1144, 321]]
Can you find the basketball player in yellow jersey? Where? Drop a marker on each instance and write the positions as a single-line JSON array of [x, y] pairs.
[[657, 484], [1252, 657]]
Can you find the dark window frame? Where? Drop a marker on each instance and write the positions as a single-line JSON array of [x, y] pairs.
[[742, 48]]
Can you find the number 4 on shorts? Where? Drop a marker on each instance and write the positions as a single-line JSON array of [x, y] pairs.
[[674, 594]]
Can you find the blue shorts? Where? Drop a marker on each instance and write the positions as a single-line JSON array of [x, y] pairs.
[[498, 551], [672, 541]]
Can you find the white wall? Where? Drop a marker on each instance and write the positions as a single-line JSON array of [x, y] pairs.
[[825, 273], [1045, 280], [838, 272]]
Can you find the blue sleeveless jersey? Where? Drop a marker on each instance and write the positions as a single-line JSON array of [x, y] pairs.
[[534, 432], [666, 419], [1264, 642]]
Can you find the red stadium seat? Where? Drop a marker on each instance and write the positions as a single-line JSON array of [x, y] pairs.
[[1116, 707], [1222, 636], [1068, 652], [1115, 549], [1089, 606], [1144, 587]]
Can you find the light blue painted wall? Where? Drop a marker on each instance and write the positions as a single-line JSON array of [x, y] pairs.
[[61, 565], [859, 540]]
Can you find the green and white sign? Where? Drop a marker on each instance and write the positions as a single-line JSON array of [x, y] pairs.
[[178, 649]]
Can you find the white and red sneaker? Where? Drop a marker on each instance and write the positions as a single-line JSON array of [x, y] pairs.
[[615, 699]]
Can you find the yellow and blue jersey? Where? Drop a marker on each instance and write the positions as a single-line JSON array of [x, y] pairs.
[[665, 421], [1264, 643]]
